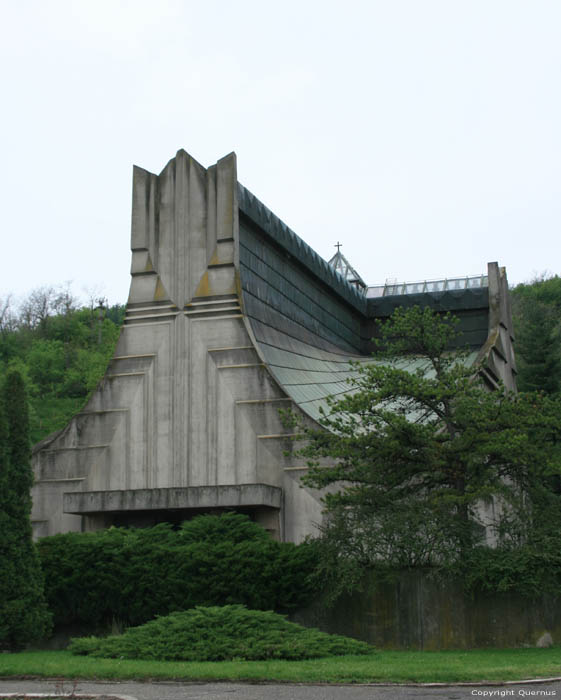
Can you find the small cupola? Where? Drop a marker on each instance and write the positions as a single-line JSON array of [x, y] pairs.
[[340, 263]]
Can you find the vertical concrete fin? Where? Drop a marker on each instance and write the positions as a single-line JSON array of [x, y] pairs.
[[498, 348], [227, 199], [198, 233], [144, 235], [144, 186], [494, 295], [211, 210]]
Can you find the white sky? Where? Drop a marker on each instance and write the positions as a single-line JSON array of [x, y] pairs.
[[422, 134]]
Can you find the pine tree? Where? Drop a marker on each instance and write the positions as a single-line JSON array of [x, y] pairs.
[[24, 616], [418, 452], [536, 307], [538, 347]]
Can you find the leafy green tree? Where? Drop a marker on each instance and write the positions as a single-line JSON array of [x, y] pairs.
[[537, 322], [46, 363], [23, 612], [543, 288], [539, 348], [61, 351], [421, 462]]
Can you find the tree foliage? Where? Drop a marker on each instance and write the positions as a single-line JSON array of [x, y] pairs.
[[23, 611], [421, 462], [537, 323], [60, 349]]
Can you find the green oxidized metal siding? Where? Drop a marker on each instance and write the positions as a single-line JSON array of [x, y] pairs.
[[282, 294], [308, 322], [292, 245], [470, 306]]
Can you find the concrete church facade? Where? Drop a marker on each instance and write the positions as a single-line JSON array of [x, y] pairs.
[[230, 317]]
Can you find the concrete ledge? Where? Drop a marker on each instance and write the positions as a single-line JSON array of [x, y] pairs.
[[202, 497]]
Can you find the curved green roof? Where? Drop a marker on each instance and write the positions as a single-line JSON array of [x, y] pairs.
[[309, 322]]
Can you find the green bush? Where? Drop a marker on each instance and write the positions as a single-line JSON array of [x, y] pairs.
[[524, 570], [229, 527], [133, 575], [220, 634]]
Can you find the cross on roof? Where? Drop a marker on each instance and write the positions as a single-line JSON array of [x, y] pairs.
[[337, 245]]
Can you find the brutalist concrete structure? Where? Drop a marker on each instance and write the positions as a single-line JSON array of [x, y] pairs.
[[230, 317]]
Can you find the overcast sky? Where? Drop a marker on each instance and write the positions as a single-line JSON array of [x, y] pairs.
[[422, 134]]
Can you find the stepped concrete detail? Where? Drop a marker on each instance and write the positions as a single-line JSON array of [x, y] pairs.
[[230, 317]]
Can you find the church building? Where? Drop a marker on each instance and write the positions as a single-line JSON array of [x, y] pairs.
[[230, 317]]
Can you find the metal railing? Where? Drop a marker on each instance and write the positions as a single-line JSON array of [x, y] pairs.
[[391, 288]]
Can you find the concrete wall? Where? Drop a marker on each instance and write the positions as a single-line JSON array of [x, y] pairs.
[[418, 613], [186, 402]]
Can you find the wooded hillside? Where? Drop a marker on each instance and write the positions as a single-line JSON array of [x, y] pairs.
[[61, 349], [536, 309]]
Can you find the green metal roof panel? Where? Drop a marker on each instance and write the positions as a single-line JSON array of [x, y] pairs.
[[295, 323], [301, 393], [293, 244], [309, 323], [301, 377], [281, 358], [276, 338], [282, 284], [448, 300], [309, 382]]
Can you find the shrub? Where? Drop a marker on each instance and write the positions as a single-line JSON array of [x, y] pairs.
[[220, 634], [229, 527], [134, 575]]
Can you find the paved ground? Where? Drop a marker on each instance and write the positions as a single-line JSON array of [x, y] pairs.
[[236, 691]]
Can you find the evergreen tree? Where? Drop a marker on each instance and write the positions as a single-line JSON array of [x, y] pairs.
[[536, 308], [538, 347], [23, 612], [425, 463]]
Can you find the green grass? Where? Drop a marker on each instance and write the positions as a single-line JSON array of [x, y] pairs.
[[382, 666]]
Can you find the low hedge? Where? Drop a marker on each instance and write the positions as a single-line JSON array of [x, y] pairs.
[[219, 634], [132, 575]]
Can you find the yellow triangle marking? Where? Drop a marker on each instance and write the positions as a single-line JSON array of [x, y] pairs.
[[160, 293], [203, 290], [214, 260]]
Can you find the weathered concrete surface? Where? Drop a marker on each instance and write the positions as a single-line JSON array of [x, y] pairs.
[[193, 497], [416, 612], [497, 354], [186, 416]]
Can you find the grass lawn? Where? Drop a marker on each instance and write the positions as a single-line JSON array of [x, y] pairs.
[[382, 666]]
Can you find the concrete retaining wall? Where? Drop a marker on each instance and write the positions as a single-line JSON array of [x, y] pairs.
[[419, 613]]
